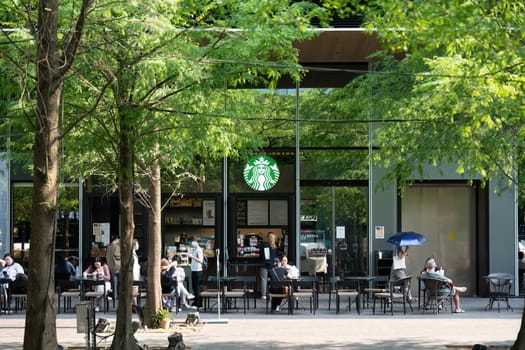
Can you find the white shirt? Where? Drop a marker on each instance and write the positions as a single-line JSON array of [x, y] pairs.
[[399, 263], [136, 267], [195, 265], [10, 271]]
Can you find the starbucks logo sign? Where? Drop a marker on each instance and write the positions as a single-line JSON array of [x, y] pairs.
[[261, 173]]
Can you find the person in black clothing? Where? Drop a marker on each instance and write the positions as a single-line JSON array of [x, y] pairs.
[[63, 268], [269, 251], [277, 273]]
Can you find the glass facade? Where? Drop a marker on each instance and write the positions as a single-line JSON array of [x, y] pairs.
[[67, 235], [4, 205]]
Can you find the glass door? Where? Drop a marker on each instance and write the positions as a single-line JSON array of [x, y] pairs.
[[334, 230]]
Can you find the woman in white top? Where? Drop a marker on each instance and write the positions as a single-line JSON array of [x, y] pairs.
[[10, 269], [98, 270], [293, 271], [136, 269], [197, 258], [398, 264], [399, 268]]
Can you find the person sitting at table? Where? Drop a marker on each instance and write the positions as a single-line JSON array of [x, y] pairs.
[[73, 260], [447, 287], [439, 269], [98, 270], [170, 271], [10, 268], [293, 271], [277, 273], [9, 271], [64, 269]]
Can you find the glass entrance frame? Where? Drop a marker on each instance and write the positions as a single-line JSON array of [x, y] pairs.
[[334, 223]]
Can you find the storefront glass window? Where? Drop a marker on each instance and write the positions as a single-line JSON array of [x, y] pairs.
[[67, 236], [334, 224], [4, 206]]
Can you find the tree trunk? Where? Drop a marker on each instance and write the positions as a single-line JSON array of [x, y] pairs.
[[154, 292], [40, 328], [41, 289], [123, 339]]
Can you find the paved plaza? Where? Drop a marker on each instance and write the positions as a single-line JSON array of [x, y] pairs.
[[302, 330]]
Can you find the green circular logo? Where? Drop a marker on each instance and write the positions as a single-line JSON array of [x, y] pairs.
[[261, 173]]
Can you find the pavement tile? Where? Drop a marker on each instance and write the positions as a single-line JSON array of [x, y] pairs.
[[304, 331]]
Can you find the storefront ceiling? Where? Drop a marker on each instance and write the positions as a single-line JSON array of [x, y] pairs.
[[334, 57], [343, 45]]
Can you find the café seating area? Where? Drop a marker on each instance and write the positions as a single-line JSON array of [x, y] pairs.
[[347, 295]]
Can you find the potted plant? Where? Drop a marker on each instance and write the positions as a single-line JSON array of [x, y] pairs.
[[162, 318]]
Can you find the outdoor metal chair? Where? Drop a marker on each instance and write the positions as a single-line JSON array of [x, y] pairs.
[[282, 290], [94, 289], [346, 290], [250, 286], [306, 288], [234, 289], [500, 285], [170, 296], [209, 291], [398, 291], [17, 292], [437, 295], [67, 290]]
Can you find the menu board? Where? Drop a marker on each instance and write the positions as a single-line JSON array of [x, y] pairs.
[[257, 213], [279, 212], [241, 213]]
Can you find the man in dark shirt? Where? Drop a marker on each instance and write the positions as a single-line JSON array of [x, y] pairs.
[[277, 273]]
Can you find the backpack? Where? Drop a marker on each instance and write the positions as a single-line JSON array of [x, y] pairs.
[[204, 262]]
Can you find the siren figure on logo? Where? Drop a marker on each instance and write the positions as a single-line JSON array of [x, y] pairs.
[[261, 173]]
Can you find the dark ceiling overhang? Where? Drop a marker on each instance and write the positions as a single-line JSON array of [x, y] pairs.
[[334, 57]]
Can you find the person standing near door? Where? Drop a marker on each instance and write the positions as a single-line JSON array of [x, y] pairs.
[[269, 251], [113, 261], [197, 259]]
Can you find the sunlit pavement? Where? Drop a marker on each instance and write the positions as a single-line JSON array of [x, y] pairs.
[[302, 330]]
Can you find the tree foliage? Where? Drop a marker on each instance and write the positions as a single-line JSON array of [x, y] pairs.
[[456, 96], [459, 85], [152, 79]]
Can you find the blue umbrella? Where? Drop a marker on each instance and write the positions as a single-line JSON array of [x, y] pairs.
[[407, 239]]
